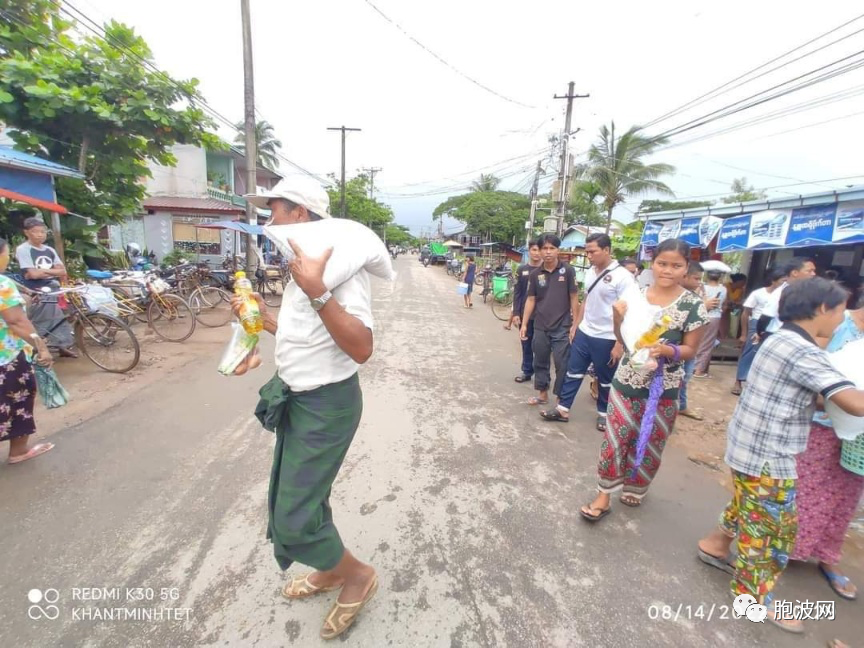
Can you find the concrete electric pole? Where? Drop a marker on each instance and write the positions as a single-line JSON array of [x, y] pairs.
[[372, 171], [563, 171], [535, 188], [251, 144], [343, 129]]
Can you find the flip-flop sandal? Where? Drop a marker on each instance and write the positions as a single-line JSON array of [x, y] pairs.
[[836, 581], [522, 379], [631, 501], [736, 391], [595, 518], [301, 587], [601, 424], [554, 415], [717, 563], [785, 627], [536, 401], [342, 615], [691, 415], [35, 451]]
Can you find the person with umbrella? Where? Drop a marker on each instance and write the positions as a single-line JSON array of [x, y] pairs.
[[17, 378]]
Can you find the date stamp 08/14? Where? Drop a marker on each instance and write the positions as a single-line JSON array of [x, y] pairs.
[[689, 612], [783, 610]]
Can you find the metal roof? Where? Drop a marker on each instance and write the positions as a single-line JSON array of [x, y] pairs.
[[191, 205], [15, 159], [726, 211]]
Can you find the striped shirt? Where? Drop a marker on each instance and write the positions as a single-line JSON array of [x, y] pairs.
[[771, 423]]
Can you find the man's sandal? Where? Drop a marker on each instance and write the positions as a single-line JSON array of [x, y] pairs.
[[342, 615], [630, 500], [554, 415], [301, 587]]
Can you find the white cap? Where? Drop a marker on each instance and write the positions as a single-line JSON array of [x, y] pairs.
[[299, 189]]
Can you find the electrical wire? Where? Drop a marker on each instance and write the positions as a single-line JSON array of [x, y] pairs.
[[717, 91], [441, 60]]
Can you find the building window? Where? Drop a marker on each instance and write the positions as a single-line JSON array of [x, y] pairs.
[[194, 240]]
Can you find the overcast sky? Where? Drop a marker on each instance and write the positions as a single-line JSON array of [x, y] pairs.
[[332, 62]]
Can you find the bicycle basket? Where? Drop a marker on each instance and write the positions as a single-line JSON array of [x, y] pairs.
[[158, 286]]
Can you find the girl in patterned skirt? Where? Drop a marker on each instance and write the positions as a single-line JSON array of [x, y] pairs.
[[17, 380], [629, 397]]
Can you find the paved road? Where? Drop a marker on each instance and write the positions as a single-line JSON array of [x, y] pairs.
[[465, 502]]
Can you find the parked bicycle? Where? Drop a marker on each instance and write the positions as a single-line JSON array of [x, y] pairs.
[[105, 340], [169, 315]]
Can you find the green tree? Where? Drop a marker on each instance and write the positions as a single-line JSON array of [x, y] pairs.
[[498, 215], [616, 165], [626, 244], [93, 105], [486, 182], [742, 192], [650, 206], [583, 204], [358, 205], [266, 144]]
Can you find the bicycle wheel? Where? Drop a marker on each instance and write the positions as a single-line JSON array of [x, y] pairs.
[[501, 306], [107, 342], [270, 294], [171, 318], [212, 306]]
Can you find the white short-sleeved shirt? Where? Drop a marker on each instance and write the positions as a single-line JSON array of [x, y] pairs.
[[772, 310], [756, 302], [307, 357], [597, 309], [715, 292]]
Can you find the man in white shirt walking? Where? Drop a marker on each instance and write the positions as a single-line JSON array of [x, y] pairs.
[[313, 405], [754, 306], [593, 333]]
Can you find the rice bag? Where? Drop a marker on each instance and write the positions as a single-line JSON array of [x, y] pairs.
[[355, 248]]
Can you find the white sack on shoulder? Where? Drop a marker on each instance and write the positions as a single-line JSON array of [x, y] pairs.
[[850, 362], [355, 248]]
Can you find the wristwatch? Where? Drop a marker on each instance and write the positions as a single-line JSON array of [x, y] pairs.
[[319, 302]]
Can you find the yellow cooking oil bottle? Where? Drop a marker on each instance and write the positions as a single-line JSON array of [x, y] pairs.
[[250, 313], [652, 335]]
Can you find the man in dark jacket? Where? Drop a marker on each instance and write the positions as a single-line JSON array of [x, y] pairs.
[[520, 294]]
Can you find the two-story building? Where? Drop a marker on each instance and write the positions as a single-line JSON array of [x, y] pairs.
[[204, 187]]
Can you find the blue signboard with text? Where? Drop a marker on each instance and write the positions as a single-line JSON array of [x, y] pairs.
[[734, 234], [811, 226]]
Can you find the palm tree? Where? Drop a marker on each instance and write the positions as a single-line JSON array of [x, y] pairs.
[[266, 143], [485, 183], [616, 166]]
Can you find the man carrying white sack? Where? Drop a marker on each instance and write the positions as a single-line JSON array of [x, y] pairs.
[[314, 403]]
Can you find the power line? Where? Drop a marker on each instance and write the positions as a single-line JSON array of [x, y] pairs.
[[716, 91], [441, 60]]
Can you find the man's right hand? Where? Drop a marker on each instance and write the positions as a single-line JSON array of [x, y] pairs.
[[523, 333], [237, 304]]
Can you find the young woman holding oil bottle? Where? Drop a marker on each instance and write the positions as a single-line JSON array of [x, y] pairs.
[[637, 393]]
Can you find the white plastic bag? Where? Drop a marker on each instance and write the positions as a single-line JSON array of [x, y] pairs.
[[239, 346], [355, 247], [100, 299], [850, 362]]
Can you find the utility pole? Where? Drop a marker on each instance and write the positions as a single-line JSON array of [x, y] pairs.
[[343, 129], [251, 144], [535, 188], [563, 170], [372, 171]]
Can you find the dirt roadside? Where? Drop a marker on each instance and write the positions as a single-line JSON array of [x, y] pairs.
[[93, 391]]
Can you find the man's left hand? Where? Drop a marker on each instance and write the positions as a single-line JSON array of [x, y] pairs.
[[308, 273]]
